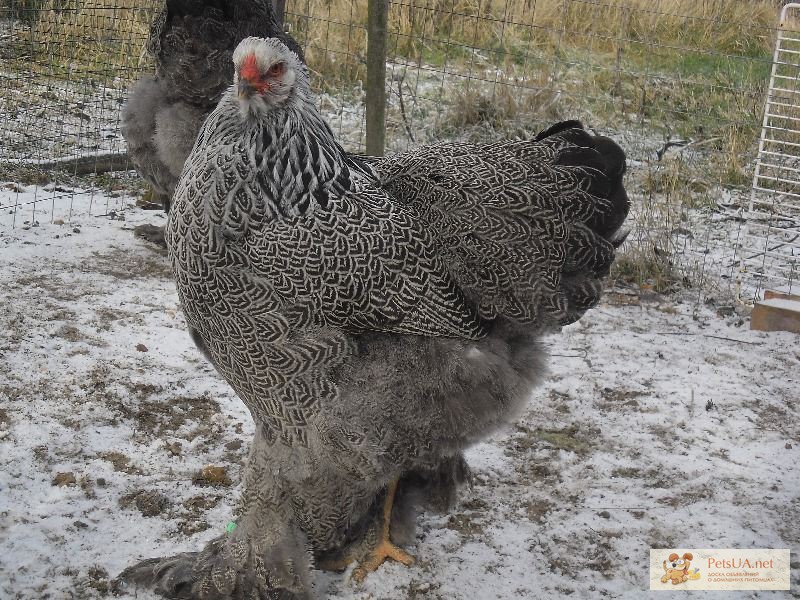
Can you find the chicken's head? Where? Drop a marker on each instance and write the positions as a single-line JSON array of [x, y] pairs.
[[267, 75]]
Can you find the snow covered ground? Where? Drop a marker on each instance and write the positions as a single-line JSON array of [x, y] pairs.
[[661, 425]]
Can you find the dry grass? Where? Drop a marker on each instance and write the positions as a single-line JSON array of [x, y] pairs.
[[500, 108], [520, 37], [94, 38], [515, 30]]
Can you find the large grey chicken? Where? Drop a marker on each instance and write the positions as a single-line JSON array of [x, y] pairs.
[[191, 43], [375, 317]]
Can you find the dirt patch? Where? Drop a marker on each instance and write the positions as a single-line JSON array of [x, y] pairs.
[[689, 496], [64, 479], [213, 476], [569, 439], [602, 556], [73, 334], [87, 485], [465, 524], [120, 462], [5, 420], [97, 578], [168, 415], [621, 298], [190, 527], [560, 400], [619, 400], [148, 502], [174, 448], [124, 264], [198, 505], [474, 504], [196, 508], [776, 418], [69, 333], [626, 472], [666, 434], [572, 439], [41, 453], [105, 317], [419, 590], [54, 286], [534, 470], [537, 510]]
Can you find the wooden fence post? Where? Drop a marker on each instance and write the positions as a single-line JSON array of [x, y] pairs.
[[376, 76], [279, 7]]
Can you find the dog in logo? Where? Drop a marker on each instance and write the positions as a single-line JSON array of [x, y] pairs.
[[676, 569]]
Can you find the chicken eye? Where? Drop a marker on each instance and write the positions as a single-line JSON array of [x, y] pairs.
[[276, 70]]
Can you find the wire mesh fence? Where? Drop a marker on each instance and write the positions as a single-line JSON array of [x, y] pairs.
[[679, 83], [66, 67]]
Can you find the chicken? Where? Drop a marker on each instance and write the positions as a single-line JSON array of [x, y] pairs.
[[376, 317], [191, 42]]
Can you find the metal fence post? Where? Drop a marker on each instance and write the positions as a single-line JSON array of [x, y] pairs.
[[376, 76]]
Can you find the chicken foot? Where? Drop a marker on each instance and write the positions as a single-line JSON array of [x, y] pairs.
[[381, 548]]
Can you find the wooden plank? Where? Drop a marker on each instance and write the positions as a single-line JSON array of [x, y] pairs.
[[776, 314], [774, 294]]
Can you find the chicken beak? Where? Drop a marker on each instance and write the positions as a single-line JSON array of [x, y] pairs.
[[245, 89]]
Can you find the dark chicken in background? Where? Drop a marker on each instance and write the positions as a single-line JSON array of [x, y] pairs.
[[191, 43]]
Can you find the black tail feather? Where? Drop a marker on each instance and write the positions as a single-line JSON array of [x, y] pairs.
[[590, 248], [573, 124]]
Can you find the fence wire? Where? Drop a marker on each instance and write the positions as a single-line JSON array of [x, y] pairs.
[[679, 83], [65, 69]]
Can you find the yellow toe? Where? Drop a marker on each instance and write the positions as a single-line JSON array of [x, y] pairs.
[[384, 551]]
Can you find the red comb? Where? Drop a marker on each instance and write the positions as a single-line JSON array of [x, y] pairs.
[[249, 69]]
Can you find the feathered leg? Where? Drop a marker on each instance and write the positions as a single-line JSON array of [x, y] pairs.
[[385, 549], [264, 557], [378, 544]]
